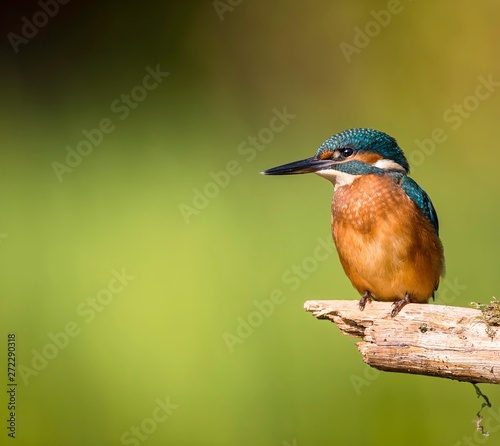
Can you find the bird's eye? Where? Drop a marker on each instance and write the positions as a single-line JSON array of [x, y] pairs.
[[343, 153], [346, 152]]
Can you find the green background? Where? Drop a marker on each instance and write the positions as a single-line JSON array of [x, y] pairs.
[[289, 380]]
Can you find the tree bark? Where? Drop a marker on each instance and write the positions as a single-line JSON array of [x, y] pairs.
[[436, 340]]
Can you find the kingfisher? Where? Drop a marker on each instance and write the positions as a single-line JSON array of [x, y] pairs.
[[384, 225]]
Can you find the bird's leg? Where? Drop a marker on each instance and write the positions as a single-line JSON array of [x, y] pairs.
[[367, 297], [398, 305]]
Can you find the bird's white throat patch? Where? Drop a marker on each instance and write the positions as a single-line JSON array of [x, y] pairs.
[[389, 165], [338, 178]]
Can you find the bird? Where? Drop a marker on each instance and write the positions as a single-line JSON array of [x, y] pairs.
[[384, 225]]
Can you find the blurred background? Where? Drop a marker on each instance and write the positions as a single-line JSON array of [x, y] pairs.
[[155, 281]]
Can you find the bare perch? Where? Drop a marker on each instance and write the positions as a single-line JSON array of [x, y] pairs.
[[435, 340]]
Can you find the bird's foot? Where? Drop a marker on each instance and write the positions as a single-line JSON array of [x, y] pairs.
[[367, 297], [398, 305]]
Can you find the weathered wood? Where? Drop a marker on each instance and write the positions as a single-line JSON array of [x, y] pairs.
[[436, 340]]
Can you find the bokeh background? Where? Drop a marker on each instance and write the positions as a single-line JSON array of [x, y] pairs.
[[98, 360]]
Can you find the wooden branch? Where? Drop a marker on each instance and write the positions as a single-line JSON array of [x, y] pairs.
[[435, 340]]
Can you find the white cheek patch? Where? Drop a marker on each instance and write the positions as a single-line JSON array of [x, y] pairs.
[[389, 165], [338, 178]]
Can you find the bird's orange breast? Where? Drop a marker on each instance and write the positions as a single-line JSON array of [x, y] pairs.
[[385, 243]]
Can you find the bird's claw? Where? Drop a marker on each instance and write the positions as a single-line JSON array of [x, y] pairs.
[[367, 297], [398, 305]]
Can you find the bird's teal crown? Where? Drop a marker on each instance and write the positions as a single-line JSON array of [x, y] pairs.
[[366, 140]]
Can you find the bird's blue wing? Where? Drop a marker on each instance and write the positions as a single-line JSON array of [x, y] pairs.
[[422, 200]]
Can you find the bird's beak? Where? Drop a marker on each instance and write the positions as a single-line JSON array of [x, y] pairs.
[[303, 166]]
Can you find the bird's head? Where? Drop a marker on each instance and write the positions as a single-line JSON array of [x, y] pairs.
[[349, 154]]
